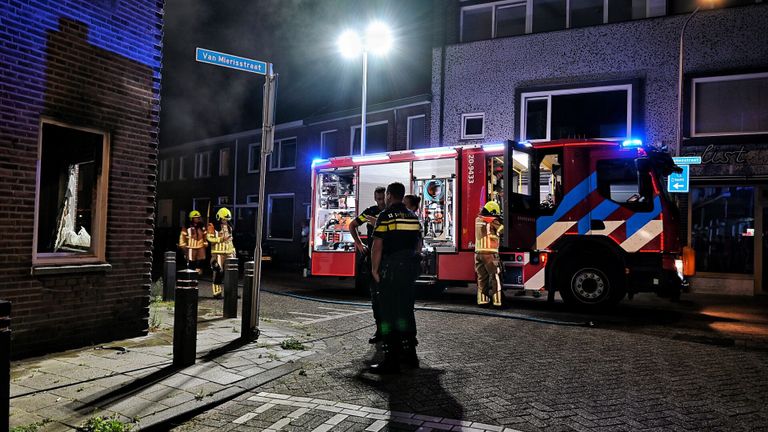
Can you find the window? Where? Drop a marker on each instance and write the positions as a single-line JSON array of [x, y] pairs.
[[330, 145], [164, 213], [417, 132], [224, 162], [72, 189], [166, 170], [510, 20], [730, 105], [252, 199], [280, 217], [619, 181], [222, 201], [284, 155], [186, 169], [201, 204], [549, 15], [597, 112], [472, 125], [202, 164], [723, 228], [254, 158], [476, 23], [375, 138], [585, 13]]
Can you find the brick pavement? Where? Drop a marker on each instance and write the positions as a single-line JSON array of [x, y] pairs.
[[515, 374]]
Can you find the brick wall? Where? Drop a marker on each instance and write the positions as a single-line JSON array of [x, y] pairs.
[[93, 64]]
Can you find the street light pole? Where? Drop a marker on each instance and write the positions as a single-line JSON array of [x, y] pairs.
[[680, 83], [365, 99]]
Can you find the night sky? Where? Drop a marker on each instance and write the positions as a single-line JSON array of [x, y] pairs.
[[299, 37]]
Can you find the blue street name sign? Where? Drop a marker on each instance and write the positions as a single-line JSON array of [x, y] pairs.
[[687, 160], [679, 183], [231, 61]]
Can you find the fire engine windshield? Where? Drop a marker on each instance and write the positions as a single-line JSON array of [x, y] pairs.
[[435, 183], [334, 210]]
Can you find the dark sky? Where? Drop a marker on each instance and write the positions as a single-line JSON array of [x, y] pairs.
[[299, 37]]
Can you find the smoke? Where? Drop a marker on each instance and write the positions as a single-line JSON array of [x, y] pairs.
[[299, 37]]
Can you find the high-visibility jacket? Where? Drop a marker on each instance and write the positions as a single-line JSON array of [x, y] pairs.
[[221, 240], [193, 242], [487, 232]]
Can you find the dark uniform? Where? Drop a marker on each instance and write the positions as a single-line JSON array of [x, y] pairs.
[[400, 231], [364, 281]]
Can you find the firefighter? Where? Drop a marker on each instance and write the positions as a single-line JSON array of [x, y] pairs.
[[193, 243], [394, 267], [488, 228], [363, 273], [221, 248]]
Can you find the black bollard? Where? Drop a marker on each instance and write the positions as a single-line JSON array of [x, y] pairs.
[[185, 319], [169, 276], [246, 331], [231, 275], [5, 364]]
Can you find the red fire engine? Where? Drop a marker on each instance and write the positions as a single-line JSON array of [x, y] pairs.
[[587, 218]]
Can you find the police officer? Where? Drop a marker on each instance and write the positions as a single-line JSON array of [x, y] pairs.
[[394, 267], [222, 248], [363, 273], [488, 228], [192, 242]]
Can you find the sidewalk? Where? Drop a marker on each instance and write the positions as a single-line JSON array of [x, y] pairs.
[[135, 379]]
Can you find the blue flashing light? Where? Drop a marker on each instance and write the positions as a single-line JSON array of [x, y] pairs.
[[525, 143], [632, 143], [318, 161], [493, 147]]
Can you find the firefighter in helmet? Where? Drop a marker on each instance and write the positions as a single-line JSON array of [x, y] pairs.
[[488, 228], [221, 248], [193, 243]]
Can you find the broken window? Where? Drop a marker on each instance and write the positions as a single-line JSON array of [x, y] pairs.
[[71, 207]]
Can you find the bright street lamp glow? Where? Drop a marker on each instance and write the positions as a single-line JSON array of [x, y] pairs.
[[350, 44], [378, 38]]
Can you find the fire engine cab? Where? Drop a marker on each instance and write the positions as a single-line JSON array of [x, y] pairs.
[[587, 218]]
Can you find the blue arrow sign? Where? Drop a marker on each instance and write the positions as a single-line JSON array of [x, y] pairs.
[[687, 160], [679, 182], [230, 61]]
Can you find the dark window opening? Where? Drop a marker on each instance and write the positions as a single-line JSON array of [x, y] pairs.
[[281, 218], [620, 181], [476, 24], [589, 115], [375, 139], [548, 15], [510, 20], [536, 119], [735, 106], [417, 134], [586, 13], [332, 146]]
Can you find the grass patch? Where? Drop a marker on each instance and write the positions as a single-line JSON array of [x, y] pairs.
[[31, 427], [292, 344], [105, 424]]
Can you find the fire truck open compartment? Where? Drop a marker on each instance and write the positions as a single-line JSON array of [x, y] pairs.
[[334, 210], [434, 181]]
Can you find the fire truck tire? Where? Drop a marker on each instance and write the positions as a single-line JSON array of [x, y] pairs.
[[589, 285]]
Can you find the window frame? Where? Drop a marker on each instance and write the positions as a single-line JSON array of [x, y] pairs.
[[278, 149], [199, 158], [228, 152], [99, 233], [250, 160], [467, 116], [270, 198], [352, 136], [251, 200], [644, 184], [166, 170], [525, 96], [408, 130], [719, 78], [322, 142], [181, 167]]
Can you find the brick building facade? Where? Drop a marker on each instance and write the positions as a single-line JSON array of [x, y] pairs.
[[79, 114]]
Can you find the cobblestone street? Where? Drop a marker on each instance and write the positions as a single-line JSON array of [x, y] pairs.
[[491, 373]]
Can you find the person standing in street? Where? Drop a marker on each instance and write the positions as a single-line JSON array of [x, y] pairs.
[[193, 243], [488, 228], [394, 268], [222, 248], [363, 258]]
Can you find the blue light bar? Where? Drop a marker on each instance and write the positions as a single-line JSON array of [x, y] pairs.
[[434, 151], [371, 158], [632, 143], [318, 161], [525, 143], [493, 147]]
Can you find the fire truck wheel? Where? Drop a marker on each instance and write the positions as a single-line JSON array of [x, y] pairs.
[[592, 286]]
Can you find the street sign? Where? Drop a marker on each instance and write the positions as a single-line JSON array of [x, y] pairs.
[[687, 160], [230, 61], [679, 182]]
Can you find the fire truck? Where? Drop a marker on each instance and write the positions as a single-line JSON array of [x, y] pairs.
[[588, 218]]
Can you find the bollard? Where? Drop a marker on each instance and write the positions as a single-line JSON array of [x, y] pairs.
[[5, 364], [246, 331], [231, 275], [169, 276], [185, 319]]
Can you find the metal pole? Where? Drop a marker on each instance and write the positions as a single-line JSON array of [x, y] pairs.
[[169, 276], [267, 144], [5, 364], [246, 331], [231, 274], [365, 100], [680, 84], [185, 319]]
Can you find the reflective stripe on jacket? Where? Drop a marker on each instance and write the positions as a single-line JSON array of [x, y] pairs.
[[221, 241], [487, 232]]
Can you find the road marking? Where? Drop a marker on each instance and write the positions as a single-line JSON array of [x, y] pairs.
[[326, 314], [341, 411]]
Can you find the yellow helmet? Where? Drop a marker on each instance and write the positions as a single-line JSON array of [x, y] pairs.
[[223, 213], [492, 207], [194, 214]]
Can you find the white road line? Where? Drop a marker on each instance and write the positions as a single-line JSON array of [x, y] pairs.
[[264, 407], [244, 418], [344, 311], [376, 426], [309, 314]]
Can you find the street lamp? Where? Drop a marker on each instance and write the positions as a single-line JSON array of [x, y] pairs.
[[711, 4], [378, 40]]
